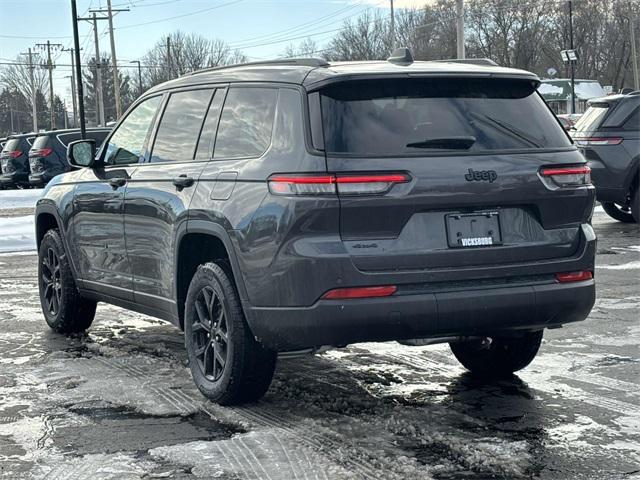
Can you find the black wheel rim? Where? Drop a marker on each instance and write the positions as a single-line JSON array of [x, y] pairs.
[[210, 334], [51, 281]]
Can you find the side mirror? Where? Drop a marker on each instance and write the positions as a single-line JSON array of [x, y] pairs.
[[82, 153]]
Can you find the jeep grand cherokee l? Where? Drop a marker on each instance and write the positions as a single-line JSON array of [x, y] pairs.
[[14, 161], [608, 134], [291, 205]]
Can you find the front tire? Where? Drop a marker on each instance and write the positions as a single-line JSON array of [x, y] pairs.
[[498, 356], [227, 364], [617, 212], [64, 309]]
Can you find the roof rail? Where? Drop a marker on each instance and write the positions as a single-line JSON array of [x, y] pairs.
[[473, 61], [401, 56], [302, 62]]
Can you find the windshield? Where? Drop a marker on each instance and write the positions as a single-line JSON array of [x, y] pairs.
[[422, 116], [591, 119]]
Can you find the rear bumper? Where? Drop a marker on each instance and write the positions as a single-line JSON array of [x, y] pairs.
[[39, 179], [13, 178], [440, 313]]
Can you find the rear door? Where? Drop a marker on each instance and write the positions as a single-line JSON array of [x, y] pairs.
[[159, 193], [448, 173]]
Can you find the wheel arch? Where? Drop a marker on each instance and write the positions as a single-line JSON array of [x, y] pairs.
[[203, 242]]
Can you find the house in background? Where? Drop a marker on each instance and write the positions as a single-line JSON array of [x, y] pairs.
[[557, 93]]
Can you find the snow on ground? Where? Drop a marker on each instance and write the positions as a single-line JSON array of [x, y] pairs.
[[17, 234], [19, 198]]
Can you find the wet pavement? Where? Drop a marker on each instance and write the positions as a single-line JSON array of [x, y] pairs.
[[118, 402]]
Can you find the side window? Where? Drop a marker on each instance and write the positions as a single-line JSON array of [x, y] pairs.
[[208, 135], [180, 126], [633, 122], [125, 145], [246, 123]]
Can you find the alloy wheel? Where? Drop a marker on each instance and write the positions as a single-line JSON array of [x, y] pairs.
[[210, 334], [52, 281]]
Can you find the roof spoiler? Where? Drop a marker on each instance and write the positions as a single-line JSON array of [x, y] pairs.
[[401, 56]]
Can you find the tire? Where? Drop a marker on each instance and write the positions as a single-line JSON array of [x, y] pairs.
[[502, 357], [227, 364], [635, 205], [64, 309], [615, 211]]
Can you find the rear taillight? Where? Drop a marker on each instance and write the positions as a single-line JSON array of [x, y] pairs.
[[40, 152], [360, 292], [567, 176], [13, 153], [574, 276], [596, 141], [356, 184]]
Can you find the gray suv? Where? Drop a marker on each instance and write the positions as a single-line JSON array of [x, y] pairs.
[[293, 205]]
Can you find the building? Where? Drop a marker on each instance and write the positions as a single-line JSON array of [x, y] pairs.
[[557, 93]]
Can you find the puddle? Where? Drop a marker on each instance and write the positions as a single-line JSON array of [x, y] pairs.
[[118, 429]]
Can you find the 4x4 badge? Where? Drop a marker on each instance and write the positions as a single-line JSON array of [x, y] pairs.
[[482, 175]]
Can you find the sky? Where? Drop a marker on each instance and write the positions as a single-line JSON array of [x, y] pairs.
[[259, 28]]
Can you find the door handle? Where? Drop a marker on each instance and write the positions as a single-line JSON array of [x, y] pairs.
[[182, 181], [117, 182]]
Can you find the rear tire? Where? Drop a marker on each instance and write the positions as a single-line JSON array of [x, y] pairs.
[[501, 357], [227, 364], [635, 205], [615, 211], [64, 309]]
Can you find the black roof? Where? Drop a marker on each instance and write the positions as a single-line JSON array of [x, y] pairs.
[[313, 73]]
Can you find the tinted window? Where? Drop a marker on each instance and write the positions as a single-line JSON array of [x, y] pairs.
[[125, 145], [592, 118], [41, 142], [180, 126], [11, 145], [633, 122], [246, 122], [208, 135], [399, 117]]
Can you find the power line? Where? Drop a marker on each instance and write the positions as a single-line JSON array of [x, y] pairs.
[[180, 16]]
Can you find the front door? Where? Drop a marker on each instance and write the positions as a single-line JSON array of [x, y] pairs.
[[160, 191], [98, 219]]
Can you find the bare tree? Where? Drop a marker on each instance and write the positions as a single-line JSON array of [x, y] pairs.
[[307, 48], [16, 77]]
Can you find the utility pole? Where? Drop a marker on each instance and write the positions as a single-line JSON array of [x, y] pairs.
[[393, 28], [73, 86], [49, 66], [114, 63], [634, 55], [66, 119], [76, 44], [100, 93], [34, 108], [572, 63], [139, 75], [169, 56], [460, 28]]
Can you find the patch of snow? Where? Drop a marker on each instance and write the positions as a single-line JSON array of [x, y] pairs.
[[19, 198], [623, 266], [549, 89], [18, 234], [587, 90]]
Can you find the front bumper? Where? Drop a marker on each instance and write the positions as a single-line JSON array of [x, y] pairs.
[[439, 313]]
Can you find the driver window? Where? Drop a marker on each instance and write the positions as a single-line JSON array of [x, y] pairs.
[[126, 144]]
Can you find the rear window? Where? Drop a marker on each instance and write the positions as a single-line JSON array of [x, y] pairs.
[[426, 116], [11, 145], [40, 142], [592, 118]]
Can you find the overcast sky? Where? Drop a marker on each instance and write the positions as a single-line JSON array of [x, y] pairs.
[[260, 28]]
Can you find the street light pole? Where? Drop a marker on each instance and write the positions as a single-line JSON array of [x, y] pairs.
[[460, 28], [139, 75], [572, 62], [393, 28]]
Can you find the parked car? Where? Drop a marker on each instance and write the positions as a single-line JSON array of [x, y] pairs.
[[565, 121], [608, 135], [14, 161], [48, 155], [291, 205]]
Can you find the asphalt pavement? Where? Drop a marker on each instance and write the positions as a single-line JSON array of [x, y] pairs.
[[118, 402]]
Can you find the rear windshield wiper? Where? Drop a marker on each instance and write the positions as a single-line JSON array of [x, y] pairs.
[[508, 129], [446, 143]]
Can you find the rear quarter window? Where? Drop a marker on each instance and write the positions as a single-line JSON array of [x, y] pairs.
[[394, 117]]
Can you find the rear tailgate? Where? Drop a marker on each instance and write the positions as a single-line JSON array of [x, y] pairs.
[[473, 152]]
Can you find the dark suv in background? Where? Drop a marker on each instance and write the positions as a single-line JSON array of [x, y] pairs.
[[14, 161], [608, 135], [48, 155], [291, 205]]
